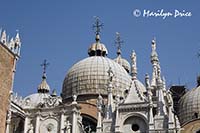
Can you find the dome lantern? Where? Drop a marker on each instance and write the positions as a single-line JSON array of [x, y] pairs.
[[43, 86], [97, 48]]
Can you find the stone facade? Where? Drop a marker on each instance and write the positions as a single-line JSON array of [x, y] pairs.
[[99, 95]]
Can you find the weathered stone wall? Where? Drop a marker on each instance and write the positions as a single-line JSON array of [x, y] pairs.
[[7, 61]]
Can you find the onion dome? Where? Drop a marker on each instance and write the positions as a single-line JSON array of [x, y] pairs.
[[123, 62], [35, 100], [97, 48], [189, 105], [43, 87]]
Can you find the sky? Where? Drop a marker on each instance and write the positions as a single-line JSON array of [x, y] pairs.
[[61, 32]]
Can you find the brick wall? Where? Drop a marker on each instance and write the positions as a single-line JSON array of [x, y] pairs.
[[7, 61]]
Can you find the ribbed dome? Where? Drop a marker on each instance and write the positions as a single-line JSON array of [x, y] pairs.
[[189, 106], [123, 62], [90, 76]]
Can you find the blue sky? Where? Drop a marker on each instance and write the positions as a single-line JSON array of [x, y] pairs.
[[61, 32]]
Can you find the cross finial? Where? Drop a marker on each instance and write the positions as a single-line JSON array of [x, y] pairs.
[[118, 42], [97, 26], [44, 66]]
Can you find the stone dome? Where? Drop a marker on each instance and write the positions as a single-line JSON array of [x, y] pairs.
[[34, 100], [90, 76], [123, 62], [189, 106]]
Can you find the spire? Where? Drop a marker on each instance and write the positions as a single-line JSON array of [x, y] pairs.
[[118, 43], [155, 63], [17, 45], [54, 93], [11, 45], [133, 65], [3, 37], [17, 39], [110, 96], [44, 87], [149, 95]]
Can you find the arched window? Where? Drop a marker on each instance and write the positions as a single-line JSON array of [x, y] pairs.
[[89, 123]]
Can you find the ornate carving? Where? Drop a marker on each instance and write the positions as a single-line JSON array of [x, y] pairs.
[[50, 102]]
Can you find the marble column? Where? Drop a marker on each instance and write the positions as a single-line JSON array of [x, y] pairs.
[[37, 125], [62, 122], [26, 124]]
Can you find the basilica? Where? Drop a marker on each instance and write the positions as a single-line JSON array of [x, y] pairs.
[[104, 95]]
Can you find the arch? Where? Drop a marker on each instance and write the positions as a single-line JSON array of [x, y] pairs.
[[49, 124], [89, 123], [143, 116], [134, 122]]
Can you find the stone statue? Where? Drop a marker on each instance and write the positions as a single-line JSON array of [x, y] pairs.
[[31, 129]]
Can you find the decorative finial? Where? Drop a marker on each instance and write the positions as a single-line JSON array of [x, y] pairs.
[[44, 66], [147, 81], [97, 26], [110, 74], [164, 83], [3, 37], [134, 65], [118, 43], [99, 102], [54, 93], [153, 44], [74, 99]]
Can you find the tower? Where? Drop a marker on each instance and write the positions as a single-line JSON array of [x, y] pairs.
[[9, 54]]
